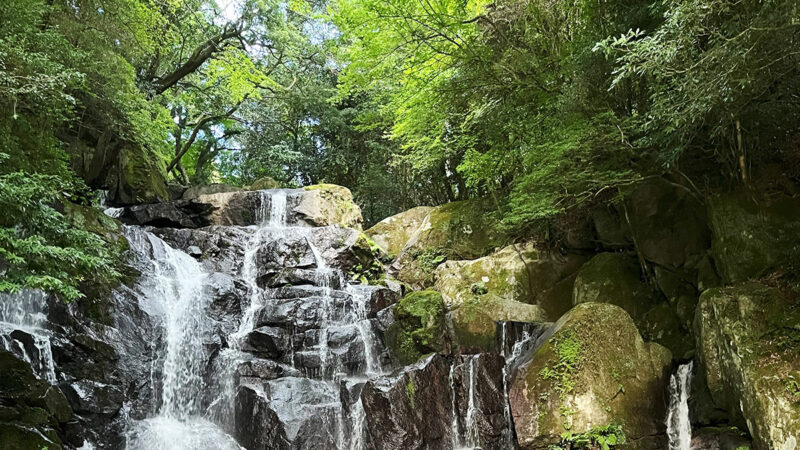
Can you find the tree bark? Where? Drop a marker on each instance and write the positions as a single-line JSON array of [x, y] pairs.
[[198, 57]]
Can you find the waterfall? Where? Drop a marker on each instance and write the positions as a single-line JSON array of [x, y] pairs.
[[679, 428], [172, 287], [326, 345], [23, 333], [472, 412]]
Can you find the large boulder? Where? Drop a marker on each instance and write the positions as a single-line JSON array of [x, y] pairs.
[[457, 230], [667, 222], [750, 237], [139, 177], [326, 204], [594, 371], [518, 272], [747, 339], [419, 326], [392, 233], [475, 320], [614, 278]]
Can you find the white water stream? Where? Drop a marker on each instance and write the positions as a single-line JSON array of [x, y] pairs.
[[679, 427], [22, 317], [172, 286]]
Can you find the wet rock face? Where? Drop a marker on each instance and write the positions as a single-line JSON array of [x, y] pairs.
[[413, 410], [479, 401], [594, 369], [32, 412], [718, 439], [257, 426], [100, 366], [743, 337]]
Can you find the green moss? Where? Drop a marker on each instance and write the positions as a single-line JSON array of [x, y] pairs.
[[428, 259], [411, 391], [479, 288], [143, 176], [264, 183], [419, 326], [567, 349], [370, 257]]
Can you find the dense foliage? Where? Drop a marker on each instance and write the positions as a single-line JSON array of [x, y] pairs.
[[544, 106]]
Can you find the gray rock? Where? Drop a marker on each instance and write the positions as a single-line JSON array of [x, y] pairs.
[[257, 425], [412, 410]]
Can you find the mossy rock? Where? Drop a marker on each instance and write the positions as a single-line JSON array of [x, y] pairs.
[[369, 258], [475, 320], [614, 278], [418, 327], [110, 230], [748, 345], [328, 204], [752, 238], [458, 230], [142, 177], [594, 370], [518, 272], [21, 437], [264, 183], [392, 233]]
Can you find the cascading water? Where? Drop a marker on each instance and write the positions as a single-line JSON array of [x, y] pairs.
[[23, 332], [172, 287], [679, 427]]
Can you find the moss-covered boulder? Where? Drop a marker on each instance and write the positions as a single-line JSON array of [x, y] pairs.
[[392, 233], [264, 183], [475, 320], [750, 237], [518, 273], [457, 230], [748, 343], [140, 178], [594, 373], [328, 204], [419, 326], [614, 278]]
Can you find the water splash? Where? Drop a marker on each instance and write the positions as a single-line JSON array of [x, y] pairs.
[[679, 427]]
